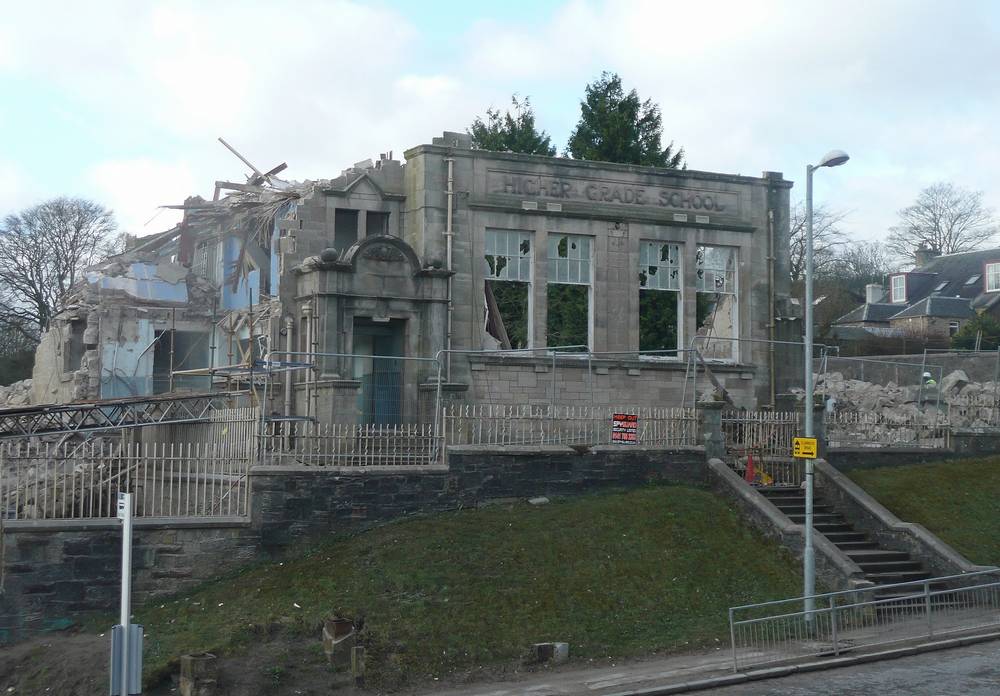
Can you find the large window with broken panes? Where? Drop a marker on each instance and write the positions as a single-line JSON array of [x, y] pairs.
[[508, 288], [568, 293], [717, 302], [659, 298]]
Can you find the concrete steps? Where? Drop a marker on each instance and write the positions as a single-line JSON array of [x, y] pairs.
[[880, 565]]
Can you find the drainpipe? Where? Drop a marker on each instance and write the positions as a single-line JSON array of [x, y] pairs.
[[770, 304], [310, 373], [289, 327], [448, 234]]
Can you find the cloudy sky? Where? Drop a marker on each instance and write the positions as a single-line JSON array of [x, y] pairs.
[[122, 101]]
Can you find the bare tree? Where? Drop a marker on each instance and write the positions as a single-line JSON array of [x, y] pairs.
[[827, 239], [860, 263], [43, 252], [944, 217]]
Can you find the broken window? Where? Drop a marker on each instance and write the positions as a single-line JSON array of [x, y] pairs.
[[659, 297], [73, 347], [179, 350], [345, 228], [206, 258], [376, 224], [568, 291], [508, 287], [717, 302]]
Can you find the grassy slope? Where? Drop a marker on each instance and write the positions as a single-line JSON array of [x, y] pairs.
[[959, 501], [613, 574]]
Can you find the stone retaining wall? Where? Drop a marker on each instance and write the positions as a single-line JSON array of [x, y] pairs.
[[53, 571]]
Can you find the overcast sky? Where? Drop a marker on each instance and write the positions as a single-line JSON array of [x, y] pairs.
[[122, 101]]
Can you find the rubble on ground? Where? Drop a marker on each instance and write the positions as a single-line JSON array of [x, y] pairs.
[[956, 400], [16, 394]]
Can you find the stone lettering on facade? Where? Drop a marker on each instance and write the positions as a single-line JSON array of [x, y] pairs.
[[609, 192]]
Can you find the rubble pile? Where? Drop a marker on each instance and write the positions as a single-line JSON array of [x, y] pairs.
[[16, 394], [956, 401]]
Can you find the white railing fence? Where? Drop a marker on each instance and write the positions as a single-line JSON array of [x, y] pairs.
[[869, 429], [78, 481], [350, 444], [782, 631], [526, 425]]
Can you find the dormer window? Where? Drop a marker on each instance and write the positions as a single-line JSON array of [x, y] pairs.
[[897, 291], [992, 277]]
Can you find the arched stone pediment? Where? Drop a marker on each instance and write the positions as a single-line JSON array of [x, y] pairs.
[[382, 248]]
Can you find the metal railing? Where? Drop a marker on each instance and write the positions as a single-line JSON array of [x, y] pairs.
[[351, 444], [870, 429], [759, 446], [781, 631], [45, 481], [513, 424]]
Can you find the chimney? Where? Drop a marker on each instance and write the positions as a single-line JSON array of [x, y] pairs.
[[873, 293], [924, 255]]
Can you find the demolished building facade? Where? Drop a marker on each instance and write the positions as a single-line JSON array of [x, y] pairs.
[[481, 260]]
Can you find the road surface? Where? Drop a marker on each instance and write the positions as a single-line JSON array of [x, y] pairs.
[[973, 670]]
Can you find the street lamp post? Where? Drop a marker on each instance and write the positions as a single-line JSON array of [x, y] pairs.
[[834, 158]]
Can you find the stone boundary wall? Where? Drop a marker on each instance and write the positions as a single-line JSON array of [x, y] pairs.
[[54, 571], [292, 504]]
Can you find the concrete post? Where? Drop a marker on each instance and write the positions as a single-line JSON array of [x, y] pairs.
[[710, 429]]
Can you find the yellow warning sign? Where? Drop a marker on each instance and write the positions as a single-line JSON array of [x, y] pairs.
[[804, 447]]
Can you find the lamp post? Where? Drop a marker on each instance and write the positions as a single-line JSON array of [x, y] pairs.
[[834, 158]]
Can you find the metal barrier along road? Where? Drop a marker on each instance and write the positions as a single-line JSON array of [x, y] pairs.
[[781, 631]]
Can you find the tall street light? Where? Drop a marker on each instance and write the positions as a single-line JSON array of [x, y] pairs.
[[834, 158]]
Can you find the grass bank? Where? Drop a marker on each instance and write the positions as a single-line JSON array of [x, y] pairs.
[[957, 500], [614, 574]]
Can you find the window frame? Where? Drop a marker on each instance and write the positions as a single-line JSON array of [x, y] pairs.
[[677, 275], [991, 268], [550, 280], [490, 274], [893, 299], [730, 288]]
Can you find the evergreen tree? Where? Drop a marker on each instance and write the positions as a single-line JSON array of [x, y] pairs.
[[617, 127], [513, 131]]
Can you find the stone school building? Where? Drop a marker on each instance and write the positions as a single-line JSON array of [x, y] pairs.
[[485, 259]]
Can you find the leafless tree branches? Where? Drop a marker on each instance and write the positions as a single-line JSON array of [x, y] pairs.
[[43, 252], [944, 217], [827, 239]]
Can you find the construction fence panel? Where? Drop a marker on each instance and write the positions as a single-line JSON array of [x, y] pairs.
[[759, 446]]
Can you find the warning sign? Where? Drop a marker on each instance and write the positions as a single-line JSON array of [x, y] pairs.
[[804, 447], [625, 428]]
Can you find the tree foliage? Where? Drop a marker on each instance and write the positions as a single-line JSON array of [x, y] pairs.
[[944, 217], [43, 252], [982, 324], [513, 131], [618, 127]]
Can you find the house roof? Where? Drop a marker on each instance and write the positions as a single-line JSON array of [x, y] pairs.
[[876, 312], [959, 279], [938, 306]]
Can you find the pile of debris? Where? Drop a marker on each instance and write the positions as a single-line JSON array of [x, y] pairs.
[[956, 400], [16, 394]]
